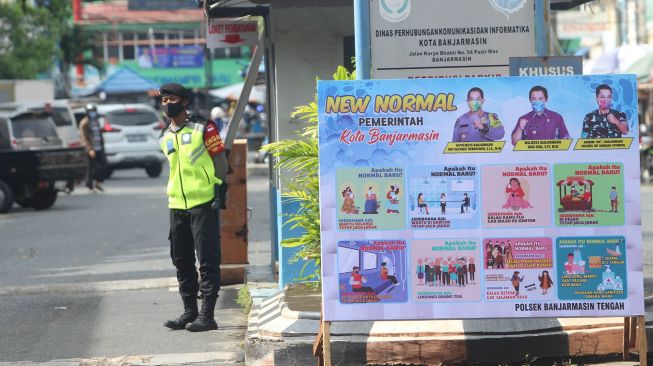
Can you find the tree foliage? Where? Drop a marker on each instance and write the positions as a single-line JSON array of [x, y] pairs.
[[28, 39], [34, 38], [300, 157]]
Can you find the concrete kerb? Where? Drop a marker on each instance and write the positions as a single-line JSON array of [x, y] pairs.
[[275, 332]]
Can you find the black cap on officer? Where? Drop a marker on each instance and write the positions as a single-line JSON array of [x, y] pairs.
[[174, 89]]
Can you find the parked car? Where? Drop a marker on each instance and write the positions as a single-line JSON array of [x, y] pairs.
[[61, 114], [131, 137], [34, 163]]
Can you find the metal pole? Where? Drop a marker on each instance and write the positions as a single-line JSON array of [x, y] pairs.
[[252, 73], [362, 38], [622, 21], [208, 76], [542, 28]]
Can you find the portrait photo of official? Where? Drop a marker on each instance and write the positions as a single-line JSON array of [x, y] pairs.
[[477, 125], [604, 122], [540, 123]]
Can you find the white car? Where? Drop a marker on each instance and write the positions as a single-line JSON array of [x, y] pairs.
[[131, 137], [60, 112]]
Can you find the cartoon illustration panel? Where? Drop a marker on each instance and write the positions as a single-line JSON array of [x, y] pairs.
[[592, 268], [445, 270], [518, 269], [516, 195], [372, 271], [443, 196], [371, 198], [589, 194]]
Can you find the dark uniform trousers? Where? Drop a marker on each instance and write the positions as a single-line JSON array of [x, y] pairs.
[[196, 230], [96, 168]]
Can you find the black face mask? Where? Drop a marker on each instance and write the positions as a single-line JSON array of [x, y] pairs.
[[173, 109]]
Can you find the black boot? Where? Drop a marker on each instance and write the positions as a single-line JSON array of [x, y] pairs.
[[205, 321], [189, 315]]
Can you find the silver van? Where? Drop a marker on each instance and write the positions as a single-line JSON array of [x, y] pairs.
[[21, 130], [58, 110]]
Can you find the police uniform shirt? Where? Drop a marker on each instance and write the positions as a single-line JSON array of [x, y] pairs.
[[464, 130]]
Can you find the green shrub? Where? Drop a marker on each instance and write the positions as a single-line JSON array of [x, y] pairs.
[[299, 157]]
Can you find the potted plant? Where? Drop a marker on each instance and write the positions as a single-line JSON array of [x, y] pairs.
[[299, 157]]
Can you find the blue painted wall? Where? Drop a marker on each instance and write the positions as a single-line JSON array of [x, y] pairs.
[[288, 273]]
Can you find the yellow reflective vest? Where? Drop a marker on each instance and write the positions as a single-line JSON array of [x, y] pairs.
[[192, 174]]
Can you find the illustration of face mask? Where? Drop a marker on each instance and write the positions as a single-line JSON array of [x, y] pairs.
[[474, 105], [604, 104], [538, 105]]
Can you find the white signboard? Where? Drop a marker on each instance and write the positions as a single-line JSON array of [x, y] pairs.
[[443, 38], [224, 33], [480, 198], [573, 24]]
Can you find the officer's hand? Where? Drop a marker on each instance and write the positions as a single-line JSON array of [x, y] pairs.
[[612, 119], [522, 123], [91, 153], [223, 195], [478, 124]]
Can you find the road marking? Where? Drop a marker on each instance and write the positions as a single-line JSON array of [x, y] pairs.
[[86, 287], [233, 357]]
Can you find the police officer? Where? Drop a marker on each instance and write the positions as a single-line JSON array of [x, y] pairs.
[[196, 190]]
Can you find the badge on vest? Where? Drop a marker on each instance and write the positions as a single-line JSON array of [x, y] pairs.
[[170, 146], [185, 139]]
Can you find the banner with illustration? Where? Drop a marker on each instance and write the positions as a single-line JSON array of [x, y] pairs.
[[510, 196]]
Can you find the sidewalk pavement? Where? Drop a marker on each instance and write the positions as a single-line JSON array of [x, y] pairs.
[[277, 335]]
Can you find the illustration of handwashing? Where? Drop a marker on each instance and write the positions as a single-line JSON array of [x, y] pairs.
[[575, 263], [614, 253]]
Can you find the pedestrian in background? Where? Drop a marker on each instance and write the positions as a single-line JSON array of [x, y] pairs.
[[90, 132], [196, 192], [221, 119]]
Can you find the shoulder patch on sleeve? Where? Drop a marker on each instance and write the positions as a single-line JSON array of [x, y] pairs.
[[212, 140], [494, 120]]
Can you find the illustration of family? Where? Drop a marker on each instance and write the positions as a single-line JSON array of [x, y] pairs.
[[372, 204], [423, 207], [445, 272], [498, 255], [540, 123]]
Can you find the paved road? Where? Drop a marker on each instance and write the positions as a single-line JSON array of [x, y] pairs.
[[120, 234], [92, 277]]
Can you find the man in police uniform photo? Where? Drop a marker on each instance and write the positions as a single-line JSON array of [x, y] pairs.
[[477, 125], [196, 192]]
